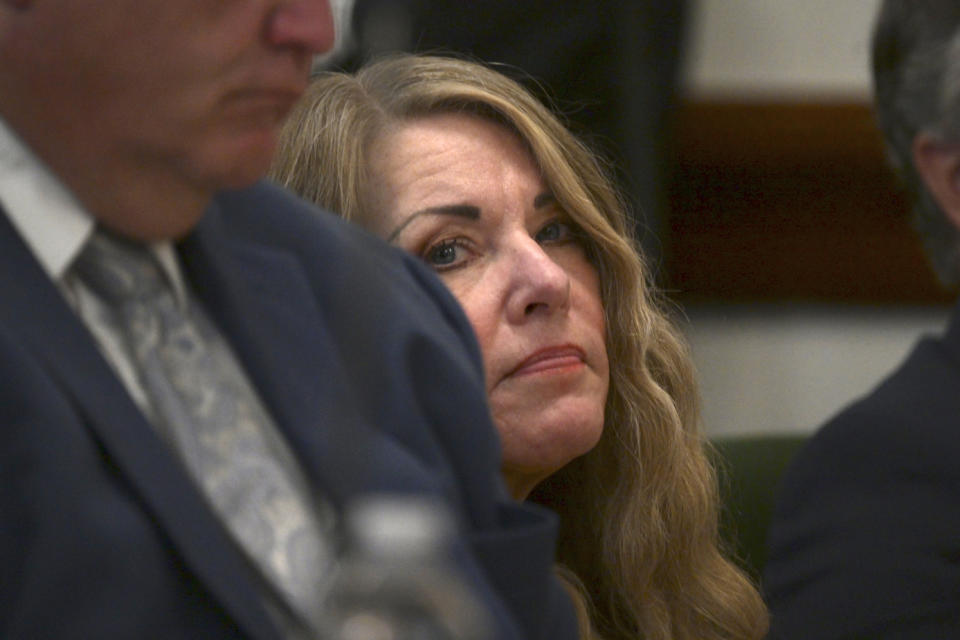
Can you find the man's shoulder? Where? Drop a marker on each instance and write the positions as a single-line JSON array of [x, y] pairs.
[[906, 424], [268, 216], [355, 276], [912, 411], [840, 531]]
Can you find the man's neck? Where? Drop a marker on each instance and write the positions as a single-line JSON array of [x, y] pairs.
[[140, 204], [135, 197]]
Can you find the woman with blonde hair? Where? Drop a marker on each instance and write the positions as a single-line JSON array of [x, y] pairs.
[[590, 386]]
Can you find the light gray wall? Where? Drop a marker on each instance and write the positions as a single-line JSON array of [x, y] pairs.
[[782, 47], [789, 368]]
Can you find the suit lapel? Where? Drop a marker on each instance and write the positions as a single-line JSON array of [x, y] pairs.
[[297, 352], [34, 310], [261, 299]]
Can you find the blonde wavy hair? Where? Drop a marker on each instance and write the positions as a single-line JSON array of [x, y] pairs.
[[639, 542]]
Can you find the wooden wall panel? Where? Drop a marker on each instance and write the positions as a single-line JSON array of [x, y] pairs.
[[787, 201]]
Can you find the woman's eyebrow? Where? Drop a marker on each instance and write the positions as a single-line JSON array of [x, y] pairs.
[[467, 211], [544, 199]]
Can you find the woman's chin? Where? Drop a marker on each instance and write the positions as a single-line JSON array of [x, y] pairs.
[[527, 464]]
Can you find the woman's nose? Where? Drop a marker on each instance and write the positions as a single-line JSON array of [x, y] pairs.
[[538, 284]]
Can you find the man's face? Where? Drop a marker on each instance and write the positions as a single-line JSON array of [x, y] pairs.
[[193, 90]]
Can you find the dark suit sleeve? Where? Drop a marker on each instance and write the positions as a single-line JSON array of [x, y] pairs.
[[866, 536]]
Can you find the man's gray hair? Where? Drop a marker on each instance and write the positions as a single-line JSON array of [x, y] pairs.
[[916, 79]]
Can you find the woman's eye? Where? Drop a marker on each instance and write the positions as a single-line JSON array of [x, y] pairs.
[[446, 254], [554, 232]]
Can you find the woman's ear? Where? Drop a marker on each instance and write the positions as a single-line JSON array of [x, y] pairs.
[[938, 164]]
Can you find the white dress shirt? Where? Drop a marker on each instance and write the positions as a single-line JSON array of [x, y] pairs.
[[56, 227]]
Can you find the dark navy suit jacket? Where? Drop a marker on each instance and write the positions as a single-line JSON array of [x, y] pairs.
[[371, 372], [865, 541]]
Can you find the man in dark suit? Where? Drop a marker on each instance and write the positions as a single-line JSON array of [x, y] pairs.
[[865, 541], [196, 369]]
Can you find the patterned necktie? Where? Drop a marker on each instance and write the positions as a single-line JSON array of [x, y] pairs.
[[205, 407]]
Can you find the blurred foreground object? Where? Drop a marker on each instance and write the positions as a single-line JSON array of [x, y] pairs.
[[397, 580]]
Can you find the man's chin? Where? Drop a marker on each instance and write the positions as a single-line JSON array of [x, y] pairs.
[[245, 164]]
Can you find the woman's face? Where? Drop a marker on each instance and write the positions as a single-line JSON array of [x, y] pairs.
[[465, 195]]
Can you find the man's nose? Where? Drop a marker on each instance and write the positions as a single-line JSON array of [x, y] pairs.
[[302, 24]]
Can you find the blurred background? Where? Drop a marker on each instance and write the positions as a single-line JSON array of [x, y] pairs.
[[790, 246], [742, 132]]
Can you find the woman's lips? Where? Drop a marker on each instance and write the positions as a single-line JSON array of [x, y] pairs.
[[550, 359]]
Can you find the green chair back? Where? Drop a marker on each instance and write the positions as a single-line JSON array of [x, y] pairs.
[[749, 470]]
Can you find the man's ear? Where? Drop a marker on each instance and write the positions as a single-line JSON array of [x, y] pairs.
[[938, 164]]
